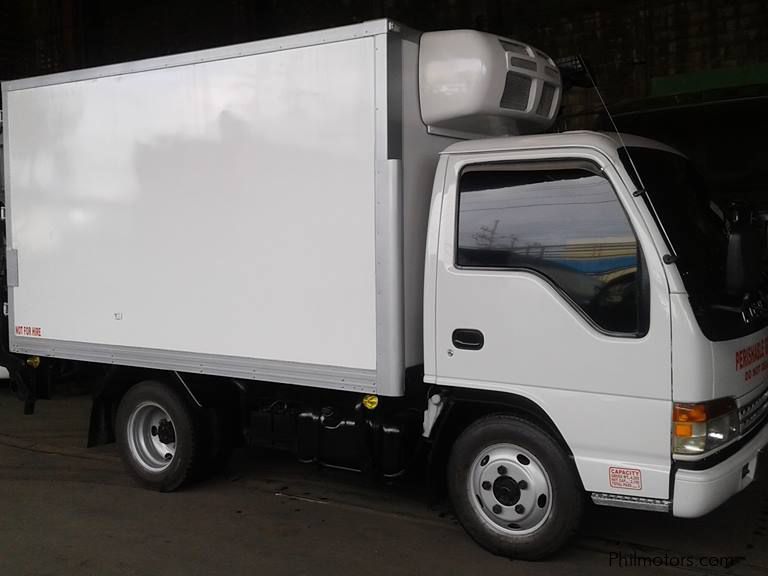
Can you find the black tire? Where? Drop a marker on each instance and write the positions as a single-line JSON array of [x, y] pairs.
[[184, 422], [563, 505]]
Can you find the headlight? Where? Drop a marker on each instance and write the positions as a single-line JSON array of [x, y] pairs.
[[700, 428]]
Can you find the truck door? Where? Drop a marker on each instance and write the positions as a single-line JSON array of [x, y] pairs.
[[549, 286]]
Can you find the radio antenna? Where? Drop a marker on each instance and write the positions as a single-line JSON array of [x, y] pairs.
[[641, 191]]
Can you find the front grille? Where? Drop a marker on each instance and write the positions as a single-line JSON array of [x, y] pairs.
[[753, 413]]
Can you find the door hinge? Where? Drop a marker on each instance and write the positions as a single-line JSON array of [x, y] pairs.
[[2, 213], [5, 309]]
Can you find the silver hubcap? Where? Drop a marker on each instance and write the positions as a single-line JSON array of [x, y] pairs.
[[151, 437], [510, 489]]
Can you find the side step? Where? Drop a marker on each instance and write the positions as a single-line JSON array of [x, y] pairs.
[[633, 502]]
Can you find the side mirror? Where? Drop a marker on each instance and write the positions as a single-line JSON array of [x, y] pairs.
[[742, 265]]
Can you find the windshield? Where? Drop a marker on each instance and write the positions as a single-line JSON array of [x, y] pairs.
[[697, 231]]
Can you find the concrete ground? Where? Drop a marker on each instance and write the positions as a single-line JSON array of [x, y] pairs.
[[65, 509]]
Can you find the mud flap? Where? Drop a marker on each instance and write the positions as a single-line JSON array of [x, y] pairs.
[[23, 380]]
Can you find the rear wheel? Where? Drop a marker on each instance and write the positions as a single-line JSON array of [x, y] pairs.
[[513, 488], [157, 435]]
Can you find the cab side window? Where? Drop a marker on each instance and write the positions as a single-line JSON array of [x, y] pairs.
[[562, 221]]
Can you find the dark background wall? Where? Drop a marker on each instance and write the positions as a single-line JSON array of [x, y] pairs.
[[692, 72]]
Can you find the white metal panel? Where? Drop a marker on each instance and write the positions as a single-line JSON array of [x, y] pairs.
[[705, 370], [740, 365], [693, 371], [224, 207]]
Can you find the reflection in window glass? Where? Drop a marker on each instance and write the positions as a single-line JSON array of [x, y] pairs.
[[566, 224]]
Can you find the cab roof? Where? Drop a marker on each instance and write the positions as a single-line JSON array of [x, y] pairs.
[[580, 138]]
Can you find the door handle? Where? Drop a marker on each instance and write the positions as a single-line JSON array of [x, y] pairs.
[[468, 339]]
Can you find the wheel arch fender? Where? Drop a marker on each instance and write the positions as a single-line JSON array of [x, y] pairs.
[[200, 396], [464, 406]]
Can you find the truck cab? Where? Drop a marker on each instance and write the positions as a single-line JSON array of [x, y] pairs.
[[582, 273]]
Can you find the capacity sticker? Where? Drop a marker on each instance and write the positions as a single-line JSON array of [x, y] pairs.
[[626, 478]]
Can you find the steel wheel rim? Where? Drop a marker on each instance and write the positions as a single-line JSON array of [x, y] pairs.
[[510, 490], [150, 430]]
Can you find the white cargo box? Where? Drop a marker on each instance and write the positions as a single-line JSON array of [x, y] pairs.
[[256, 211]]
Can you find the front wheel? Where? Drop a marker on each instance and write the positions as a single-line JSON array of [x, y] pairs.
[[513, 488], [156, 435]]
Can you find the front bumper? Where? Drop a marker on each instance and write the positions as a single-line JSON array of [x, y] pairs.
[[698, 492]]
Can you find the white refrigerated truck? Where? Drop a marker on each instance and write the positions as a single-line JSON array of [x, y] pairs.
[[359, 244]]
